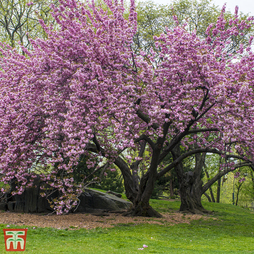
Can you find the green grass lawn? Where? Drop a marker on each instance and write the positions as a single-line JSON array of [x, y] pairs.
[[231, 232]]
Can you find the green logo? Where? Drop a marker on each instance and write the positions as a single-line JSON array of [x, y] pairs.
[[15, 239]]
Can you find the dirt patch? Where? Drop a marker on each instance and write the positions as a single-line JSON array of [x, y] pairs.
[[89, 221]]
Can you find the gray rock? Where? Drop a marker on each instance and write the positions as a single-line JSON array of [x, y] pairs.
[[92, 199], [114, 193]]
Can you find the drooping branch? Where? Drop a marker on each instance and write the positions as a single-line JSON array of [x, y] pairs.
[[131, 187], [222, 173], [135, 165], [205, 112], [146, 138], [96, 143], [103, 167], [205, 97], [93, 148], [201, 130], [146, 119], [182, 157]]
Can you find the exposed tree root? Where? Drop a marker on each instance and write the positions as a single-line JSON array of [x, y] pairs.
[[143, 211], [199, 210]]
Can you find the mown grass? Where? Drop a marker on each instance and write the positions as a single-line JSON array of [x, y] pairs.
[[231, 232]]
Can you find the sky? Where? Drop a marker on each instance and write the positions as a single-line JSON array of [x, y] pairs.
[[245, 6]]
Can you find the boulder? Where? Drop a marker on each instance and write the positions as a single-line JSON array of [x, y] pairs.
[[114, 193], [91, 201]]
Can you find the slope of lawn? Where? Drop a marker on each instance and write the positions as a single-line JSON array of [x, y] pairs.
[[232, 231]]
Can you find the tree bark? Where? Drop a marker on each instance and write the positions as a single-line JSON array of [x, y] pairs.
[[131, 186], [141, 206], [209, 199], [238, 192], [171, 186], [210, 189], [190, 184], [218, 191], [191, 195], [139, 193]]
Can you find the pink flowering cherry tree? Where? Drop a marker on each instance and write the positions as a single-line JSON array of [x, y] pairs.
[[84, 92]]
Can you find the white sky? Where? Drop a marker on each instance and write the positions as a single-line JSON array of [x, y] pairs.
[[245, 6]]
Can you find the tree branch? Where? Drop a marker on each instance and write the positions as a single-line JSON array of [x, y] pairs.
[[146, 119], [205, 112], [222, 173], [182, 157], [146, 138], [201, 130]]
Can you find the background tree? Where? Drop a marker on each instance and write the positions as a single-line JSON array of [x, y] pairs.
[[198, 15], [191, 185], [19, 20]]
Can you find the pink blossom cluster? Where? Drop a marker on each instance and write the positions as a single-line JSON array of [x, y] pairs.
[[237, 174], [242, 180]]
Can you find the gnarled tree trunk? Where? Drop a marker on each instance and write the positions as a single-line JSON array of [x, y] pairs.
[[191, 192], [190, 184], [141, 206], [140, 193]]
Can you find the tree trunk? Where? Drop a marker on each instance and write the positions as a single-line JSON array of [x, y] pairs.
[[190, 184], [131, 186], [191, 193], [141, 206], [171, 188], [209, 199], [210, 189], [218, 191], [238, 192]]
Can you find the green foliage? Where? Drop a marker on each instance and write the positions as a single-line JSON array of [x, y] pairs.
[[81, 171], [163, 185], [103, 178], [19, 20], [112, 180], [153, 19], [244, 190], [248, 187], [197, 15]]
